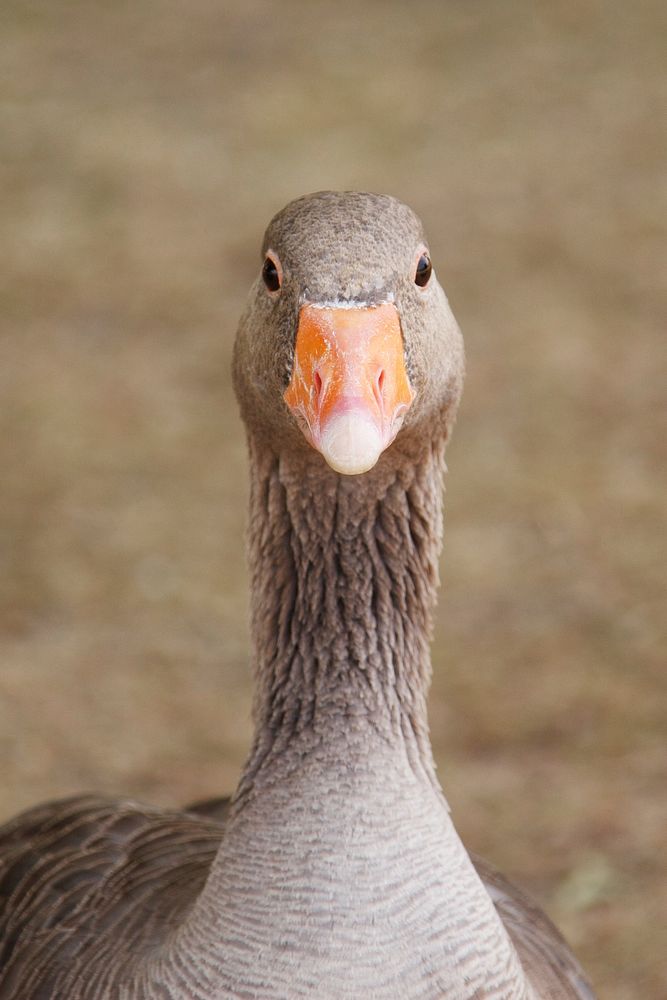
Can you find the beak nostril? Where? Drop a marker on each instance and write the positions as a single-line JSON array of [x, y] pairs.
[[317, 384], [379, 386]]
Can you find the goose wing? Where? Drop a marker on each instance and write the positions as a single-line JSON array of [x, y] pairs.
[[85, 877], [545, 955]]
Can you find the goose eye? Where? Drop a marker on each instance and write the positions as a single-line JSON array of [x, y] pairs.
[[271, 275], [423, 272]]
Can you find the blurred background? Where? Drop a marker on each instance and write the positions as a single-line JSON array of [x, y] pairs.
[[143, 148]]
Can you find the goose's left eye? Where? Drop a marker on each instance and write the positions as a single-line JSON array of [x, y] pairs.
[[271, 275], [423, 272]]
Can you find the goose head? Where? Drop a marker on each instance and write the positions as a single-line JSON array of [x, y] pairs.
[[347, 349]]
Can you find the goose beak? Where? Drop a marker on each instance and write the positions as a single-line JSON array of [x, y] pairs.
[[349, 390]]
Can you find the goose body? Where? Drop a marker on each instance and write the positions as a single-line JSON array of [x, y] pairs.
[[335, 871]]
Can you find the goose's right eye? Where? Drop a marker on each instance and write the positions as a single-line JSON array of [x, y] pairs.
[[271, 274], [424, 269]]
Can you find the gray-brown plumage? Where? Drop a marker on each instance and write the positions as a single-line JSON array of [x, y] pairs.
[[335, 870]]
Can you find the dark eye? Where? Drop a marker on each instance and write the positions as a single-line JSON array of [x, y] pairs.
[[423, 272], [271, 274]]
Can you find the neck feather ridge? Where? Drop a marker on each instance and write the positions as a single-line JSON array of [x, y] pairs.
[[344, 572]]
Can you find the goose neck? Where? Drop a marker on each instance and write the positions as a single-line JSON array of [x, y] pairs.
[[344, 572]]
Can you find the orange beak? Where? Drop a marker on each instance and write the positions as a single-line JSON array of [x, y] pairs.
[[349, 389]]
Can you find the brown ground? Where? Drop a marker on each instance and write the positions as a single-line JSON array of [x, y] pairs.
[[143, 148]]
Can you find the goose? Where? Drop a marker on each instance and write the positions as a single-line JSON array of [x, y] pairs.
[[335, 870]]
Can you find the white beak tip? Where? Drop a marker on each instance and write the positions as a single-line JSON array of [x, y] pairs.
[[351, 443]]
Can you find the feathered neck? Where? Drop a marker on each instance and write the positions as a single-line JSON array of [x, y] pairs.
[[344, 572]]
